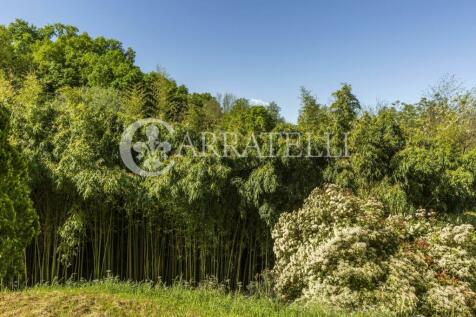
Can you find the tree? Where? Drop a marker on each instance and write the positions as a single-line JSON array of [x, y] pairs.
[[18, 219], [226, 101], [275, 112], [374, 142], [344, 109], [170, 100], [61, 56], [310, 115]]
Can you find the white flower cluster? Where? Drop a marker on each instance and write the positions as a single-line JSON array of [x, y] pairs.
[[344, 251]]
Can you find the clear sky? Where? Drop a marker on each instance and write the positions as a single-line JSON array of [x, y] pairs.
[[387, 50]]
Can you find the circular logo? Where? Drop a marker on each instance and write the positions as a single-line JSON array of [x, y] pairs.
[[151, 152]]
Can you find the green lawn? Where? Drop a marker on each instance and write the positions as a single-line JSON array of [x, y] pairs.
[[133, 299]]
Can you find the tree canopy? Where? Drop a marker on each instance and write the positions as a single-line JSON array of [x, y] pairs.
[[18, 220], [67, 97]]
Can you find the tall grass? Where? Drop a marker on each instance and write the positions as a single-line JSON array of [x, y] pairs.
[[110, 297]]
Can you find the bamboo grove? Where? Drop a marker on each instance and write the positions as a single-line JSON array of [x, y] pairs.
[[67, 98]]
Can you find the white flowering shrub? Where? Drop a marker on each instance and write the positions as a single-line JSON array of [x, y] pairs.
[[344, 251]]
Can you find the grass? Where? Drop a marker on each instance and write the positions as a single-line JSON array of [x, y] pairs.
[[111, 298]]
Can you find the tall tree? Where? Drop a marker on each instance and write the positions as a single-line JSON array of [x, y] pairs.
[[310, 115], [18, 219], [344, 108]]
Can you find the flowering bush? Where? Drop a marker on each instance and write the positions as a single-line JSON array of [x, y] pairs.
[[345, 251]]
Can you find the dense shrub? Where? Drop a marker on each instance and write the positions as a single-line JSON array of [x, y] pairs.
[[347, 252], [18, 219]]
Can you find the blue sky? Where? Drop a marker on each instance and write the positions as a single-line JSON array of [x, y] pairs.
[[387, 50]]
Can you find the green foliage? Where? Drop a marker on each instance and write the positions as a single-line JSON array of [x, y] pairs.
[[68, 97], [433, 180], [169, 100], [310, 115], [374, 143], [243, 118], [204, 112], [71, 234], [61, 56], [18, 219], [344, 109]]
